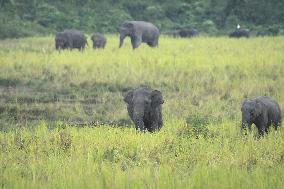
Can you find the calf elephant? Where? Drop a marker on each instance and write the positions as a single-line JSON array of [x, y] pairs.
[[99, 40], [240, 33], [144, 107], [139, 32], [263, 112], [70, 39]]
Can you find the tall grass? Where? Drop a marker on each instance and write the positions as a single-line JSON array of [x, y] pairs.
[[203, 80]]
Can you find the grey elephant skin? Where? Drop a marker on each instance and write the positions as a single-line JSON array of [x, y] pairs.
[[183, 33], [99, 40], [139, 32], [240, 33], [261, 34], [144, 107], [187, 33], [263, 112], [70, 39]]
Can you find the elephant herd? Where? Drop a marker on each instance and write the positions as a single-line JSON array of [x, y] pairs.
[[144, 104], [138, 31]]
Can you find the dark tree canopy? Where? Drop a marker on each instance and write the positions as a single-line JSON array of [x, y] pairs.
[[30, 17]]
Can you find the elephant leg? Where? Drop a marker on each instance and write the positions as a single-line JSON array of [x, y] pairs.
[[135, 41], [276, 125], [148, 125], [70, 44], [261, 129], [249, 127], [121, 39], [156, 120], [139, 125], [160, 120], [153, 43], [155, 125]]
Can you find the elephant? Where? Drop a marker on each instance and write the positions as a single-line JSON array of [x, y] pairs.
[[144, 107], [263, 111], [188, 33], [240, 33], [99, 40], [261, 34], [139, 32], [174, 33], [70, 39]]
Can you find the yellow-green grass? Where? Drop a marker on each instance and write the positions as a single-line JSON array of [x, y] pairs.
[[203, 80]]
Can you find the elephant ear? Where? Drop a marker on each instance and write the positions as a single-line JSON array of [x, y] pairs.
[[243, 104], [258, 108], [128, 96], [129, 26], [156, 97]]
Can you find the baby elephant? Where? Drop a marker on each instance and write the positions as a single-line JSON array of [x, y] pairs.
[[263, 112], [144, 108], [99, 40]]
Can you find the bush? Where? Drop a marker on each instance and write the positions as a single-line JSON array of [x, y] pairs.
[[209, 27]]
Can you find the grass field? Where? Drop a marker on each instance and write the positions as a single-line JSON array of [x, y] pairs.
[[203, 81]]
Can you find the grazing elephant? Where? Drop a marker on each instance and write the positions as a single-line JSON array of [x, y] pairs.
[[188, 33], [240, 33], [139, 32], [70, 39], [263, 112], [144, 107], [99, 40]]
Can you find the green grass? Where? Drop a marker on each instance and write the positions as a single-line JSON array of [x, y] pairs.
[[203, 80]]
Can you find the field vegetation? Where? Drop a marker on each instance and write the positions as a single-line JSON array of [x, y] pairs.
[[44, 94]]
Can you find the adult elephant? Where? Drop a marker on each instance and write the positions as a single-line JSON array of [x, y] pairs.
[[99, 40], [240, 33], [70, 39], [144, 107], [139, 32], [263, 112], [261, 34], [188, 33]]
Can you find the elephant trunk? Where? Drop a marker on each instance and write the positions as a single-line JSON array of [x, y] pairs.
[[138, 115], [122, 36], [246, 123]]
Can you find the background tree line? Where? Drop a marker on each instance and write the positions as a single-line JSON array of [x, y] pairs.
[[213, 17]]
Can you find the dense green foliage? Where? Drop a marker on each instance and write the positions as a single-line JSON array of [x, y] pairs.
[[29, 17], [203, 80]]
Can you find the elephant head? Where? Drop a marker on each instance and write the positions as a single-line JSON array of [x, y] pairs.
[[61, 40], [251, 110], [126, 29], [142, 103]]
